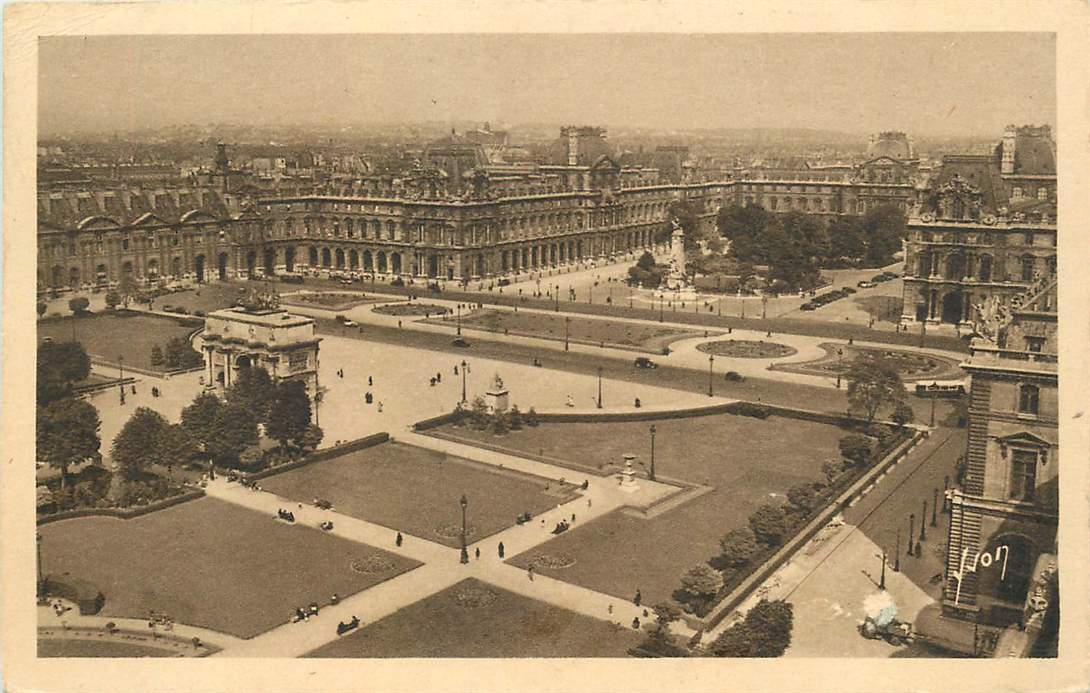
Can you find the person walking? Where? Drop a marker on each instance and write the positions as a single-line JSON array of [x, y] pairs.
[[530, 573], [370, 381], [399, 539], [638, 598], [477, 553], [380, 407], [609, 609], [501, 549]]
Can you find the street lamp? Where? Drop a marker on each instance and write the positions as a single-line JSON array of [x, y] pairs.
[[458, 316], [567, 323], [897, 554], [882, 581], [662, 298], [465, 552], [653, 452], [934, 507], [923, 524], [711, 364], [911, 532], [934, 387], [599, 387], [839, 361], [557, 297], [464, 367]]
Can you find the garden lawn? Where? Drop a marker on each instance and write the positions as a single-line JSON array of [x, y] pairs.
[[509, 626], [209, 563], [416, 491], [106, 336], [651, 338], [86, 647], [748, 461]]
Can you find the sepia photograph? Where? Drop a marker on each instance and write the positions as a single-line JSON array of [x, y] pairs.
[[606, 345]]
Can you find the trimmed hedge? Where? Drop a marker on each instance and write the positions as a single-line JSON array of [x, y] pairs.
[[327, 453], [87, 596], [123, 513]]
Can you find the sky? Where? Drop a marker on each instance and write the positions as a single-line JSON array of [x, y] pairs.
[[925, 84]]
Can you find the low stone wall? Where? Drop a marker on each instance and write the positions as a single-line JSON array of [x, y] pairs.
[[123, 513], [318, 456]]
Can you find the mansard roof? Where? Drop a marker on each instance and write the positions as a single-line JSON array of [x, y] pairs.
[[126, 207]]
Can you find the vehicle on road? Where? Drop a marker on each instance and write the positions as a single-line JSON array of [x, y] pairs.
[[866, 285], [894, 632], [734, 376], [941, 388], [459, 342], [644, 362]]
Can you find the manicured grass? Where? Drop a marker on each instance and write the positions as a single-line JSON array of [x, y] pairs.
[[910, 365], [215, 296], [416, 491], [106, 336], [329, 300], [509, 626], [209, 563], [748, 461], [551, 326], [79, 647]]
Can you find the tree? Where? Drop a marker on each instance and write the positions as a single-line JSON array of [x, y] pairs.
[[846, 239], [702, 581], [532, 418], [478, 413], [665, 614], [514, 418], [770, 623], [78, 305], [180, 354], [251, 458], [156, 355], [177, 446], [289, 413], [769, 524], [127, 289], [137, 446], [765, 632], [857, 449], [902, 414], [66, 433], [199, 418], [42, 307], [59, 365], [112, 299], [884, 229], [499, 424], [831, 470], [802, 496], [254, 390], [311, 438], [234, 429], [872, 384], [646, 261], [737, 547]]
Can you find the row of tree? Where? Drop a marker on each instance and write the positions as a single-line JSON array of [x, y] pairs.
[[179, 354], [66, 427]]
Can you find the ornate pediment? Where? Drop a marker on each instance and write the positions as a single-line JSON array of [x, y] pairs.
[[98, 223], [199, 216], [1024, 438]]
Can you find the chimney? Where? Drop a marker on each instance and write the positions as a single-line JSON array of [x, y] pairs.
[[1007, 163]]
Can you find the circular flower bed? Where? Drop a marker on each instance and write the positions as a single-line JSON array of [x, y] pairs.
[[474, 597], [400, 309], [552, 560], [372, 564], [455, 531], [747, 349]]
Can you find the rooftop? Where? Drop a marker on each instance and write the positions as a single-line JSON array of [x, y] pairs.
[[267, 318]]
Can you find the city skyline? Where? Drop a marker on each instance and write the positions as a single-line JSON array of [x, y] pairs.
[[926, 84]]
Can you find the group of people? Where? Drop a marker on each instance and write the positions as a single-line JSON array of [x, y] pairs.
[[303, 613], [561, 527], [285, 515]]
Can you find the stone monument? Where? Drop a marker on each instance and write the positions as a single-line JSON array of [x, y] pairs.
[[496, 396], [676, 279], [628, 475]]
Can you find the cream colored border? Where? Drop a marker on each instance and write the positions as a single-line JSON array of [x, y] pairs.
[[23, 23]]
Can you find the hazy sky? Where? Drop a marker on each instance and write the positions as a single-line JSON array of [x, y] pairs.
[[921, 83]]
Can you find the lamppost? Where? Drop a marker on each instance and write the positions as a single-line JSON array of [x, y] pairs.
[[911, 532], [653, 452], [711, 364], [764, 306], [599, 387], [923, 523], [557, 297], [882, 581], [934, 386], [661, 310], [458, 317], [897, 554], [839, 361], [465, 366], [41, 580], [465, 552], [567, 323], [120, 367]]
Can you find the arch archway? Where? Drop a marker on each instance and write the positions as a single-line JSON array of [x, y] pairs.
[[327, 258], [395, 263], [222, 266], [270, 262], [368, 261], [312, 256], [433, 266], [73, 277], [381, 261], [198, 268], [289, 259], [353, 259], [153, 270], [339, 256], [251, 264], [243, 361], [176, 268], [952, 307]]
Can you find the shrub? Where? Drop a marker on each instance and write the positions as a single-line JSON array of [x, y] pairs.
[[157, 355], [78, 305], [531, 418], [769, 524], [765, 632], [737, 547], [758, 411], [514, 419], [251, 459], [397, 281], [902, 414], [86, 595], [112, 299], [499, 424], [857, 449], [802, 497], [701, 581], [199, 313], [832, 471]]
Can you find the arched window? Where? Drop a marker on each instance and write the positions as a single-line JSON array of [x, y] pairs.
[[1027, 268], [1028, 399], [985, 271]]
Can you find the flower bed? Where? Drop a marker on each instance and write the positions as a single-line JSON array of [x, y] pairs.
[[747, 349], [328, 300], [411, 309]]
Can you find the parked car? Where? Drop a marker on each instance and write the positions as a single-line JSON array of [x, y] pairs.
[[848, 290], [866, 285], [809, 306], [459, 342], [644, 362], [349, 323], [734, 376], [504, 282]]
